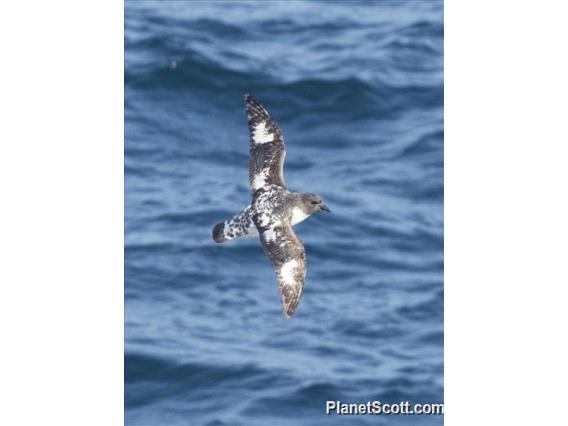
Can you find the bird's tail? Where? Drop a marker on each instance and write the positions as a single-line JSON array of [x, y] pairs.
[[239, 226], [219, 233]]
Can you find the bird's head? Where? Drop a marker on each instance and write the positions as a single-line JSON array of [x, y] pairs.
[[313, 203]]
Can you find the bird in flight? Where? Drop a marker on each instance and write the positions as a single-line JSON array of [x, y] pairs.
[[273, 209]]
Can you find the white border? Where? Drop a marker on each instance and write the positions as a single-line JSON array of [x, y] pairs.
[[61, 214], [506, 212]]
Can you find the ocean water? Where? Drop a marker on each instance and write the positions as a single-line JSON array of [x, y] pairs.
[[357, 89]]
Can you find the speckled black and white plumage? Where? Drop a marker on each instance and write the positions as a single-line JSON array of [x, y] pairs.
[[273, 210], [267, 150], [239, 226], [273, 220]]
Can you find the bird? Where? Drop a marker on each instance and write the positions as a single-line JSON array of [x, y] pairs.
[[273, 210]]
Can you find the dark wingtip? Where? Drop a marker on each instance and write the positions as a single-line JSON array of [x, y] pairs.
[[218, 234], [290, 310], [289, 314], [255, 108], [250, 99]]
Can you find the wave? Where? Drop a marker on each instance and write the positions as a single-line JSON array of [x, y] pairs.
[[200, 79], [150, 368]]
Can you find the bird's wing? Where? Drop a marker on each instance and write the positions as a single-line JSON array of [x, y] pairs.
[[288, 258], [267, 150]]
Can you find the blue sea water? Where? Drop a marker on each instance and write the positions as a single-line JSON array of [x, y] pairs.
[[357, 88]]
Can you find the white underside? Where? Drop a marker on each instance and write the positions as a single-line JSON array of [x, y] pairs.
[[298, 215]]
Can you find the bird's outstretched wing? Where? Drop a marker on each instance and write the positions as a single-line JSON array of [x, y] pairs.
[[267, 150], [288, 258]]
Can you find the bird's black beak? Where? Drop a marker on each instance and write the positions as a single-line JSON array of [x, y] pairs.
[[324, 208]]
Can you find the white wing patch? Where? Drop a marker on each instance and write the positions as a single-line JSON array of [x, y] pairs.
[[260, 179], [261, 135], [287, 272], [270, 235]]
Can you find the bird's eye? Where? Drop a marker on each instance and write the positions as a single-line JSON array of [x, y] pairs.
[[314, 202]]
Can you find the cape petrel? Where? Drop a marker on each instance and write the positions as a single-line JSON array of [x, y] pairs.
[[273, 209]]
